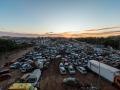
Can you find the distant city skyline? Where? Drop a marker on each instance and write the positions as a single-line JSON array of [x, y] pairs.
[[57, 16]]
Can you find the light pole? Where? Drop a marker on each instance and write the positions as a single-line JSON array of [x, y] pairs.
[[99, 77]]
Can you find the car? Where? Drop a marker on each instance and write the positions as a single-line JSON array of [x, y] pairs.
[[62, 70], [61, 65], [71, 81], [82, 70], [23, 78], [25, 67], [66, 64], [75, 63], [84, 64], [46, 65], [71, 69], [15, 65], [39, 64], [79, 63]]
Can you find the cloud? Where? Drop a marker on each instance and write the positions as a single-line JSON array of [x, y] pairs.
[[100, 32], [106, 28], [2, 28]]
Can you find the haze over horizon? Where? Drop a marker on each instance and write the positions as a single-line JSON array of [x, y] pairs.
[[59, 16]]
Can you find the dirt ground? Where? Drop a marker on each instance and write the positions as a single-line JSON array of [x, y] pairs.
[[12, 56], [15, 74], [52, 79]]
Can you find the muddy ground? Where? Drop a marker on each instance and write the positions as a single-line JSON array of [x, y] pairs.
[[52, 79]]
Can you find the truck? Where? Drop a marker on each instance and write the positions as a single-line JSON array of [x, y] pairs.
[[109, 73], [22, 86]]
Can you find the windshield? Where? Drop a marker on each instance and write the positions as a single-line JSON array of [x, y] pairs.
[[71, 69]]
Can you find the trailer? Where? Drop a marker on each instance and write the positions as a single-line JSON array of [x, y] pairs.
[[110, 73]]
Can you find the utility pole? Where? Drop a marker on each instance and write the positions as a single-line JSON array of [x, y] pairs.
[[99, 77]]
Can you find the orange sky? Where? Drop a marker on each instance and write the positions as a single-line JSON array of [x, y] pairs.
[[100, 32]]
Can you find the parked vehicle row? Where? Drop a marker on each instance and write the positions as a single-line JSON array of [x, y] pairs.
[[64, 68]]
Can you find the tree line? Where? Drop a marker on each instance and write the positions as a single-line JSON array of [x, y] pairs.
[[9, 45], [113, 41]]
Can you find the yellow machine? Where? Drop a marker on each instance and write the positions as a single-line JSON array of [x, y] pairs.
[[22, 86]]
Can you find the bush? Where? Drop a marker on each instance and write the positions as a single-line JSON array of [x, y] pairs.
[[109, 41]]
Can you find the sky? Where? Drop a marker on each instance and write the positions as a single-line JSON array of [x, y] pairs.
[[41, 16]]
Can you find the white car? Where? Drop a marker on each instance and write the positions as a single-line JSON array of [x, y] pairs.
[[61, 65], [62, 70], [81, 70], [71, 69], [16, 65], [66, 64], [39, 64]]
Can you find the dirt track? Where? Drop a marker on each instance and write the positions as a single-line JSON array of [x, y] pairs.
[[12, 56], [52, 80]]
